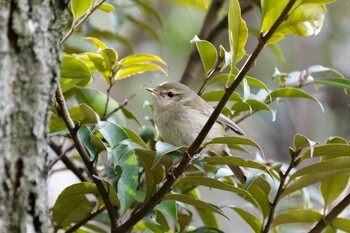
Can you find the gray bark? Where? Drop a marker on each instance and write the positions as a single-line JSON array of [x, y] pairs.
[[29, 65]]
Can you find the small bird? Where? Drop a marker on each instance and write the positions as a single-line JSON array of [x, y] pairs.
[[180, 114]]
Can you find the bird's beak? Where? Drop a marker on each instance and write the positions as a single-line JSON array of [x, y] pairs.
[[153, 91]]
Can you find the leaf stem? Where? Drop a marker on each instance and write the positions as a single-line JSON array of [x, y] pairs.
[[85, 220], [75, 26], [104, 116]]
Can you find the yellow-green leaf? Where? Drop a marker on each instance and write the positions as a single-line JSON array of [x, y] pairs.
[[106, 7], [80, 7], [98, 44], [207, 53], [74, 68], [140, 59], [297, 216], [305, 19], [237, 31], [128, 71]]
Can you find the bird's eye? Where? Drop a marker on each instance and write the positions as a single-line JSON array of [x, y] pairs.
[[171, 94]]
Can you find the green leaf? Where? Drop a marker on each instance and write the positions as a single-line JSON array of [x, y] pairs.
[[296, 216], [128, 71], [140, 59], [80, 7], [208, 218], [333, 186], [213, 183], [150, 178], [102, 65], [252, 221], [335, 150], [113, 133], [206, 230], [163, 148], [234, 161], [342, 224], [317, 1], [74, 68], [237, 31], [332, 165], [336, 140], [216, 95], [127, 185], [84, 134], [98, 44], [169, 209], [72, 205], [261, 198], [129, 115], [194, 202], [303, 19], [90, 116], [207, 53], [291, 92], [106, 7], [335, 82], [136, 138], [301, 142], [234, 140], [317, 172], [256, 82]]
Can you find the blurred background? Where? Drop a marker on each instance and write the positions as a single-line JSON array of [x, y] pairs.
[[166, 31]]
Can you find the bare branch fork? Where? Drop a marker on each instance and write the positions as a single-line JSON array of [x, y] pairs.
[[192, 150]]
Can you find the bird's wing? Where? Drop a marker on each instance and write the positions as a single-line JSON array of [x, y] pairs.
[[207, 110], [233, 126]]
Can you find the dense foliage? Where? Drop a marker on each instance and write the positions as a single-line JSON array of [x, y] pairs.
[[130, 180]]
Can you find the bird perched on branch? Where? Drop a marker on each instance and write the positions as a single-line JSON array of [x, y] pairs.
[[180, 114]]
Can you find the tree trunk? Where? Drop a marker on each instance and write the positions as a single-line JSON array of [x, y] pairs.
[[30, 32]]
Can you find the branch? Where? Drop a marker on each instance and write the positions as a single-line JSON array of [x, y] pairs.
[[67, 162], [324, 222], [192, 150], [104, 116], [278, 194], [84, 155], [74, 27], [85, 220]]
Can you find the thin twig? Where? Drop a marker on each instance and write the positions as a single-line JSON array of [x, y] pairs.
[[85, 220], [74, 27], [104, 116], [61, 155], [67, 162], [280, 190], [126, 101], [85, 156], [192, 150], [324, 222]]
